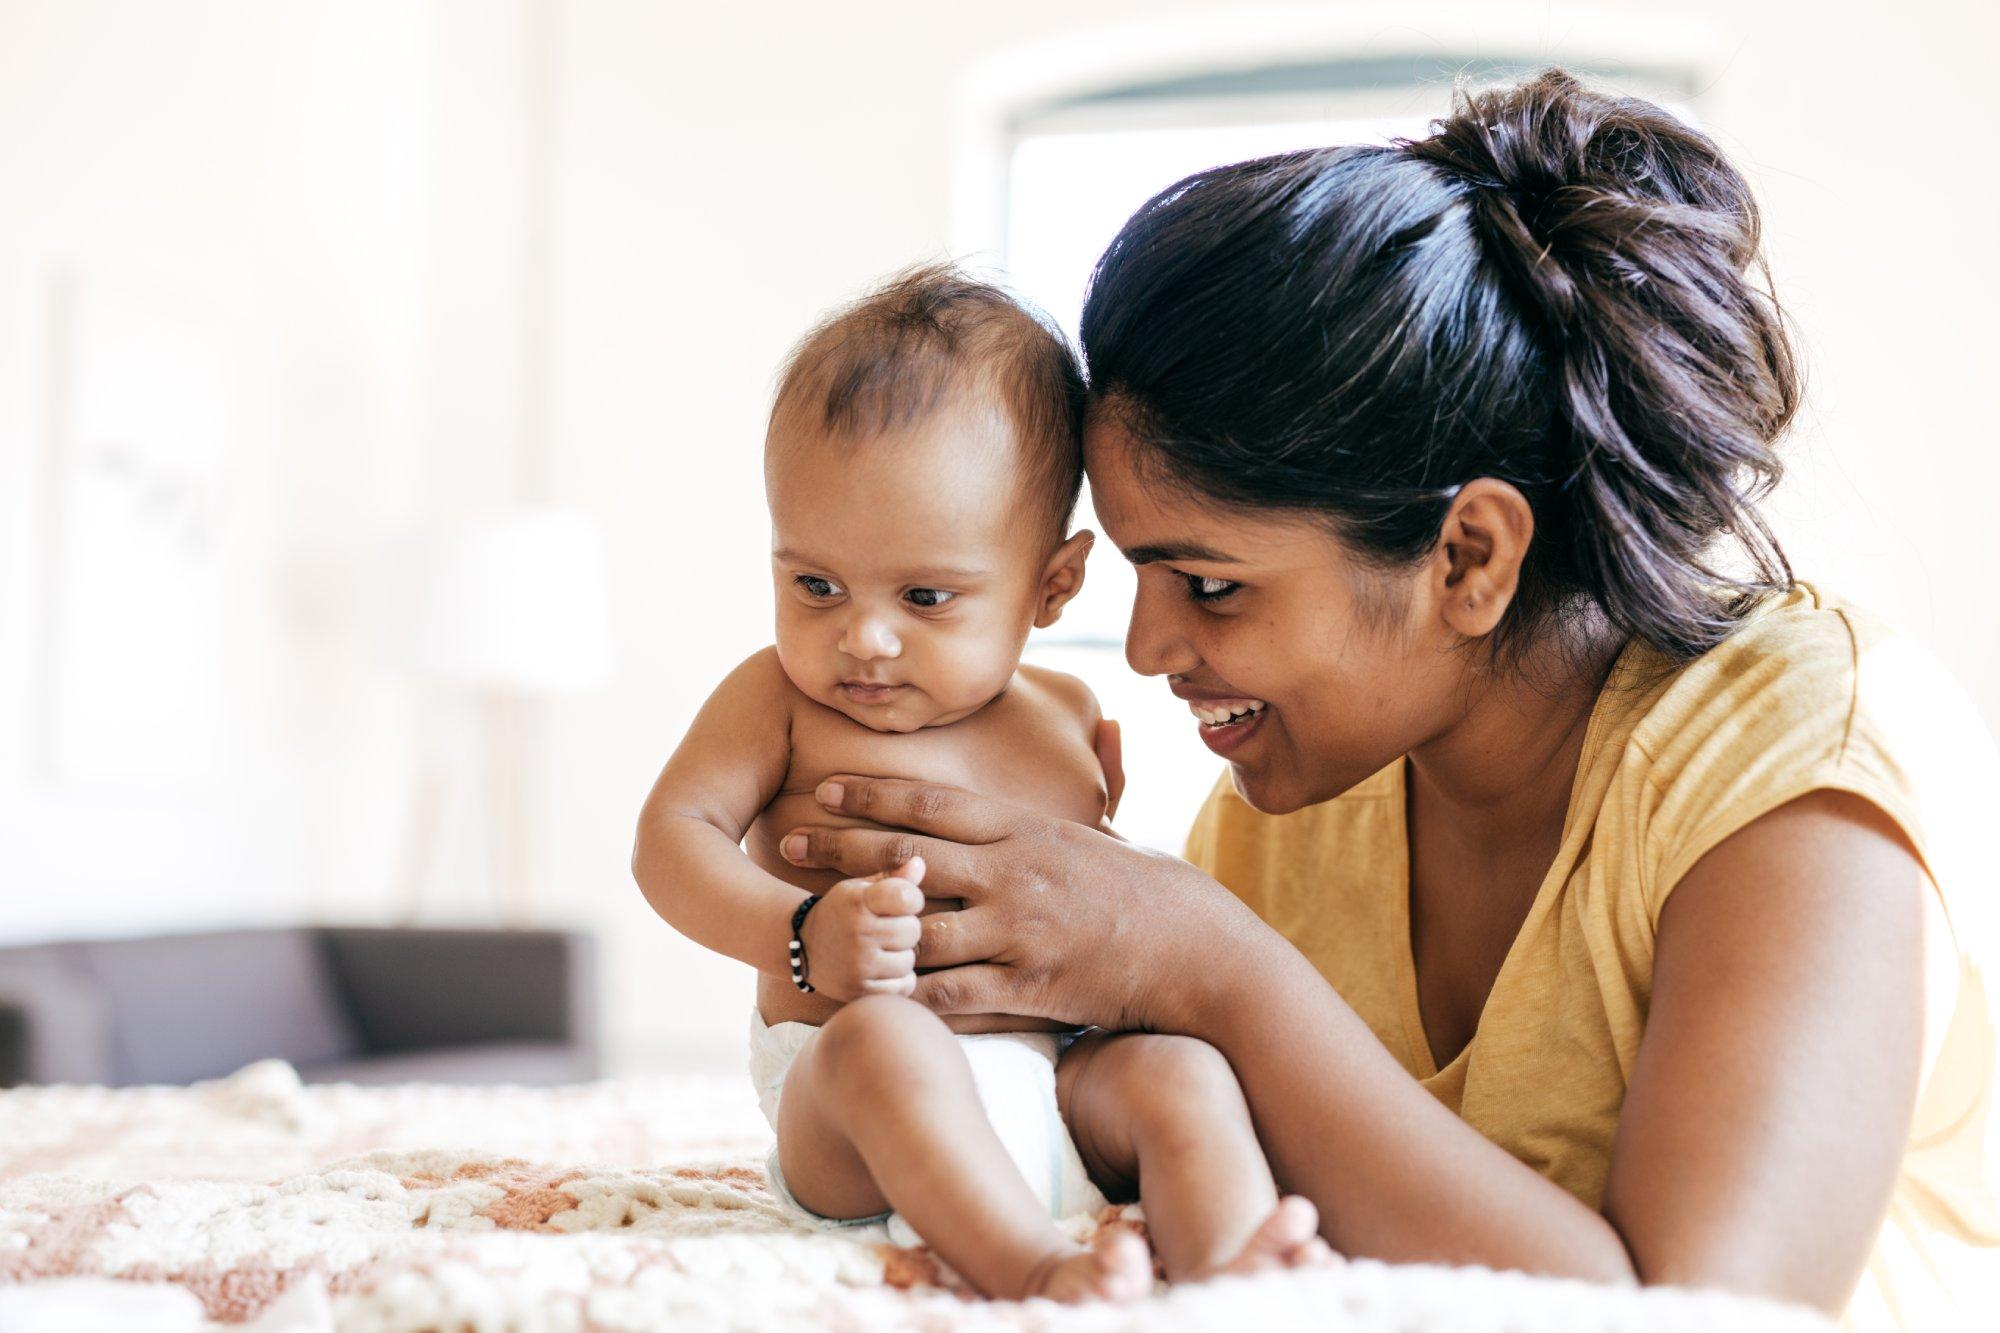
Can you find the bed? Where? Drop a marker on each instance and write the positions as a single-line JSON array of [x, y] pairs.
[[258, 1202]]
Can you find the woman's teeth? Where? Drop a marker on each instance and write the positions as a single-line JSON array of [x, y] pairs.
[[1223, 712]]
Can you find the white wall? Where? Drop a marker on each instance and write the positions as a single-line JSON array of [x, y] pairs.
[[252, 166], [342, 194], [553, 248]]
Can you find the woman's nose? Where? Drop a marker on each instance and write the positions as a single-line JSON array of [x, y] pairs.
[[1153, 646], [869, 637]]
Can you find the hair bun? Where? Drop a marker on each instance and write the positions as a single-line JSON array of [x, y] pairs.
[[1553, 142], [1627, 238]]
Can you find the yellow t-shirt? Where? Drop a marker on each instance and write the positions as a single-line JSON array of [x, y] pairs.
[[1806, 695]]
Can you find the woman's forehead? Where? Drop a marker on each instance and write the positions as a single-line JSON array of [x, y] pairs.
[[1150, 517]]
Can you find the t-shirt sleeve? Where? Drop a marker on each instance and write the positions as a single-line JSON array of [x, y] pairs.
[[1764, 726]]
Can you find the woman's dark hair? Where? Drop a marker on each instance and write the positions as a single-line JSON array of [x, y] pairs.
[[1554, 288]]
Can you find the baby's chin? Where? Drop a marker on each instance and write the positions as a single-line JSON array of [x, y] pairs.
[[908, 709]]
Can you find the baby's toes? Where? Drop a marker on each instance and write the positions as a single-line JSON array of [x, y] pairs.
[[1125, 1263], [1116, 1267], [1315, 1253]]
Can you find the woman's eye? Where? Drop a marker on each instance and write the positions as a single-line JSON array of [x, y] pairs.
[[928, 598], [1208, 590], [815, 586]]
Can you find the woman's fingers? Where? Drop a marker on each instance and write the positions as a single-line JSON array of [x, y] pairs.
[[869, 851], [951, 813], [980, 988], [969, 935]]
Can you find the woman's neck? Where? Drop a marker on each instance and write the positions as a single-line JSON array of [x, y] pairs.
[[1501, 774]]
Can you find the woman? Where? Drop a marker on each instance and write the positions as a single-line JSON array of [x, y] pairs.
[[1588, 897]]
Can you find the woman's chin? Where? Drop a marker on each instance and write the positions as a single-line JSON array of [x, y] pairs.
[[1265, 791], [1280, 788]]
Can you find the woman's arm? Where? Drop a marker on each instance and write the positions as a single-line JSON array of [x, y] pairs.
[[1767, 1115], [1751, 1155]]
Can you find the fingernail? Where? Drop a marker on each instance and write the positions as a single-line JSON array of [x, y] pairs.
[[794, 847], [830, 793]]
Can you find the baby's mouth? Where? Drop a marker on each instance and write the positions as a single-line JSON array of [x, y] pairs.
[[868, 692], [1217, 714]]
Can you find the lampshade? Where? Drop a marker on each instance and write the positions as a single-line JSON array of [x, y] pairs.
[[515, 601]]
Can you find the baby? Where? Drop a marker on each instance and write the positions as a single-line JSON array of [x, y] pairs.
[[922, 464]]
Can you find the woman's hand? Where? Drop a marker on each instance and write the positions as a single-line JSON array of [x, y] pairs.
[[1059, 921]]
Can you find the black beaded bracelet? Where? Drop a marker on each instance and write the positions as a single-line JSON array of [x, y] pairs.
[[799, 944]]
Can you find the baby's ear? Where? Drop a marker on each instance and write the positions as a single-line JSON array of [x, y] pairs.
[[1062, 577]]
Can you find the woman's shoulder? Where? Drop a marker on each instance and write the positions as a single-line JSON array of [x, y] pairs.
[[1811, 693], [1807, 677]]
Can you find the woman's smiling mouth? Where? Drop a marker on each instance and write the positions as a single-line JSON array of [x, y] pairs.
[[1234, 729], [1227, 720]]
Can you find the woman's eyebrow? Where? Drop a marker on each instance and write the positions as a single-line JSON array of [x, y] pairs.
[[1146, 555]]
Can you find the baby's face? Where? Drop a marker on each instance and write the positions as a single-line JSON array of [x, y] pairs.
[[908, 568]]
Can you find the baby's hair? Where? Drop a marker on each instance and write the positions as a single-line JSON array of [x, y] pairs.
[[920, 340], [1558, 287]]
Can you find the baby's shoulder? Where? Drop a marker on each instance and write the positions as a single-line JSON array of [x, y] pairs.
[[1061, 690], [759, 680]]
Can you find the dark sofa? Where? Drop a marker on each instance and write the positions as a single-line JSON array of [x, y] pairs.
[[342, 1004]]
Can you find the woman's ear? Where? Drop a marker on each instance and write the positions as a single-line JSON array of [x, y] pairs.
[[1062, 578], [1477, 568]]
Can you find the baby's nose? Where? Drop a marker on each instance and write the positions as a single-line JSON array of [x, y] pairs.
[[868, 638]]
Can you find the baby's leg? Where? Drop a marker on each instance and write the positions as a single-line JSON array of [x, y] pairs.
[[1164, 1117], [880, 1111]]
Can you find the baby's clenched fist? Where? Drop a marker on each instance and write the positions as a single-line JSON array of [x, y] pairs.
[[861, 937]]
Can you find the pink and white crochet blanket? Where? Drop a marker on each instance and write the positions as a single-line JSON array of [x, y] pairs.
[[627, 1204]]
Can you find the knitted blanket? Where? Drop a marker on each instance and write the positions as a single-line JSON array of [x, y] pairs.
[[629, 1204]]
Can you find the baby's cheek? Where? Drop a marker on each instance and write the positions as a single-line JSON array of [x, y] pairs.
[[807, 658], [974, 670]]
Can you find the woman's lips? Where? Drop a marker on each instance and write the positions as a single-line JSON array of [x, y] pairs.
[[1227, 737], [1226, 722]]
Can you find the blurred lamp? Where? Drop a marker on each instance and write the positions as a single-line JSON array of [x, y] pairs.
[[507, 608]]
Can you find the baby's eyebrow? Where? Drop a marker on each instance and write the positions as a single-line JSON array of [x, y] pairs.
[[926, 575], [942, 574]]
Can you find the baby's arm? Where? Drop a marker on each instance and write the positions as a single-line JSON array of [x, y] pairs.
[[1099, 732], [689, 861]]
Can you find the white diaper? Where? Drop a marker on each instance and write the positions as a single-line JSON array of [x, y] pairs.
[[1015, 1073]]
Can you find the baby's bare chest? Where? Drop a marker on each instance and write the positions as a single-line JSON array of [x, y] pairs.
[[1033, 757]]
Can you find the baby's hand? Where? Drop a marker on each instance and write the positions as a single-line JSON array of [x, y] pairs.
[[861, 937]]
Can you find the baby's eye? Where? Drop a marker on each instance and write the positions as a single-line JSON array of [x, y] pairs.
[[928, 599], [1209, 590], [815, 586]]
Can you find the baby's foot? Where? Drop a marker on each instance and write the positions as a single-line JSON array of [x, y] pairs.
[[1288, 1238], [1116, 1267]]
